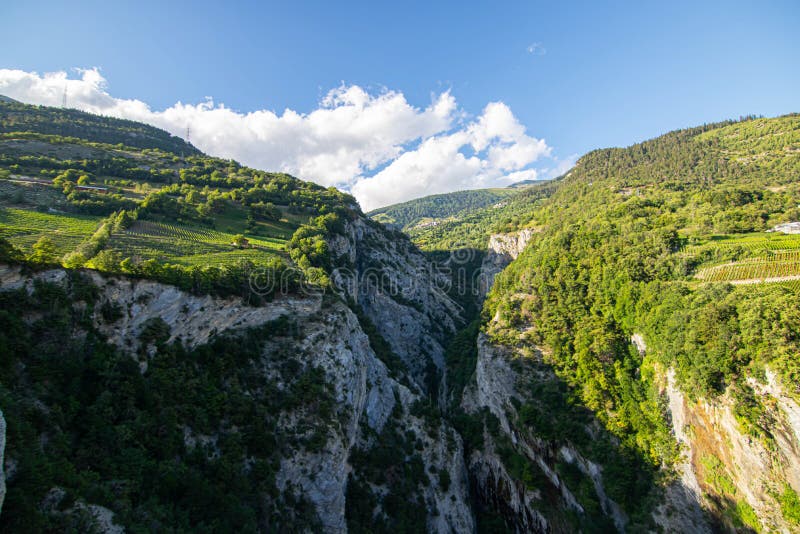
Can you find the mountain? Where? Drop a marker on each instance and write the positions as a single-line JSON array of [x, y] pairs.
[[428, 211], [526, 183], [18, 117], [637, 350], [188, 344]]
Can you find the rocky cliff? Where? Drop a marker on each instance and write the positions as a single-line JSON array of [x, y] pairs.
[[743, 474], [402, 294], [501, 250], [734, 473], [385, 446], [520, 472], [373, 405]]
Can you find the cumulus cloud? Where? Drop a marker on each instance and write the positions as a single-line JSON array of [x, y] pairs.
[[376, 145], [496, 142]]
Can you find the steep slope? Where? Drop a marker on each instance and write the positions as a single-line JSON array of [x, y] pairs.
[[588, 421], [290, 400], [286, 377], [191, 345]]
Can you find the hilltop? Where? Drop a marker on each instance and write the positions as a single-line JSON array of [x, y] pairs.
[[18, 117], [120, 196], [431, 210]]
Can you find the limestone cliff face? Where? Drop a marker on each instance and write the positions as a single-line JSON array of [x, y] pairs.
[[499, 377], [502, 250], [400, 291], [730, 469], [368, 396]]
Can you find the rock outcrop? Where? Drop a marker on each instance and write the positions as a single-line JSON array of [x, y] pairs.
[[502, 250], [368, 395], [401, 292], [733, 472]]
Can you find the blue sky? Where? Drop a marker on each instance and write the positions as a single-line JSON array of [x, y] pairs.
[[579, 75]]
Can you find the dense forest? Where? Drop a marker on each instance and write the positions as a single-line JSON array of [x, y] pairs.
[[619, 244]]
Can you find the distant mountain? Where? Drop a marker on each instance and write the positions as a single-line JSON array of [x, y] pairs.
[[433, 207], [18, 117], [526, 183], [4, 98]]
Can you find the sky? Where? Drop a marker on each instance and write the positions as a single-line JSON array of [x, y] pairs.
[[392, 101]]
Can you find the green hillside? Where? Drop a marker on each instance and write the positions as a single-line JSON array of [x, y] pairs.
[[18, 117], [472, 228], [670, 241], [644, 240], [433, 209], [81, 190]]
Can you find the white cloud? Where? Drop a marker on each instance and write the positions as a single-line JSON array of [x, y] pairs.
[[439, 165], [376, 145], [536, 49]]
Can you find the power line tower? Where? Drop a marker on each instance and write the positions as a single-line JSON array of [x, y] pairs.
[[64, 98], [188, 134]]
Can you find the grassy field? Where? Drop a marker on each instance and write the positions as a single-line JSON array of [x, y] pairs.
[[24, 227]]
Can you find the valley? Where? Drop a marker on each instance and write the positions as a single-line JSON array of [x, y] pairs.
[[193, 345]]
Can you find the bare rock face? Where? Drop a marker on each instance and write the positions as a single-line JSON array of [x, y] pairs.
[[728, 468], [502, 250], [510, 245], [681, 508], [99, 517], [400, 292]]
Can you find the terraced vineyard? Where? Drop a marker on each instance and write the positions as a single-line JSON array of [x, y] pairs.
[[189, 245], [768, 258], [24, 227], [756, 243]]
